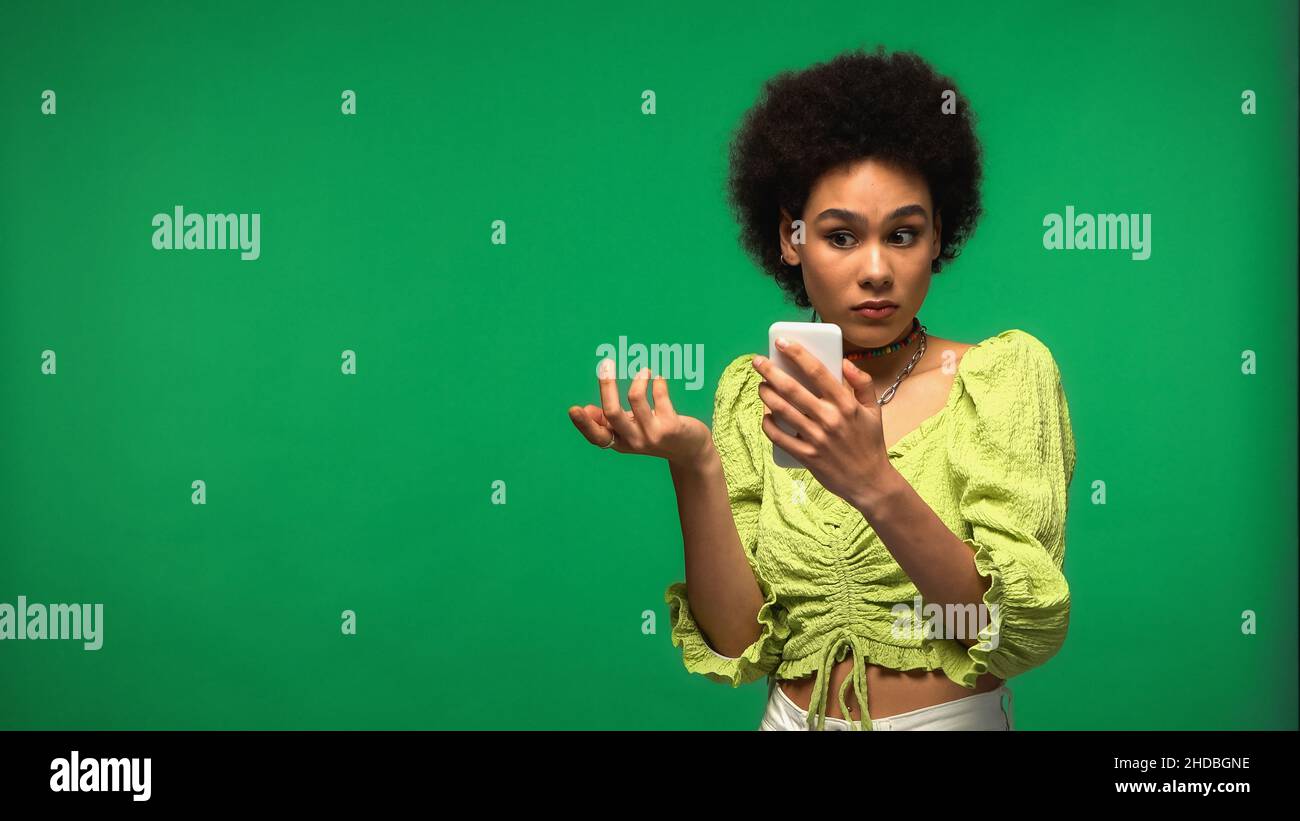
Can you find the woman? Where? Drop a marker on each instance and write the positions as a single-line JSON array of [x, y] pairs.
[[917, 557]]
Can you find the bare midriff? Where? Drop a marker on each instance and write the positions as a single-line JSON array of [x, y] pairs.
[[889, 692]]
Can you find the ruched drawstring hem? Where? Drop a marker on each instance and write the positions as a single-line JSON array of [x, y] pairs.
[[841, 641]]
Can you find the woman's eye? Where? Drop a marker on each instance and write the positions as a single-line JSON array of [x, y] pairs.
[[836, 237]]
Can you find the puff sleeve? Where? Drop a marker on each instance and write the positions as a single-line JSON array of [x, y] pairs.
[[737, 417], [1013, 458]]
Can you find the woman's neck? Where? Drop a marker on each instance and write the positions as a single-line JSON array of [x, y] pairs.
[[887, 366]]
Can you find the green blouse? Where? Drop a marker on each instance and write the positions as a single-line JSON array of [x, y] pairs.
[[995, 464]]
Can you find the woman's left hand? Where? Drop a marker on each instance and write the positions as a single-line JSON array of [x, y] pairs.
[[841, 439]]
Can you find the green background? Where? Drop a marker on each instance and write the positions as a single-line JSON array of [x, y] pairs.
[[373, 492]]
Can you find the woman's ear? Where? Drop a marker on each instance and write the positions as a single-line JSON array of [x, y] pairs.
[[789, 249]]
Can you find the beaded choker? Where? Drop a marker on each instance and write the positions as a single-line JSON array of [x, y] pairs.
[[854, 356]]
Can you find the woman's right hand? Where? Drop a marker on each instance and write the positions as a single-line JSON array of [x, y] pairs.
[[660, 431]]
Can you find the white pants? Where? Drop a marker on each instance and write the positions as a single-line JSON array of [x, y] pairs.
[[982, 711]]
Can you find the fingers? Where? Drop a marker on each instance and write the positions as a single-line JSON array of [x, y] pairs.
[[792, 445], [636, 397], [663, 405], [599, 415], [618, 418], [793, 392], [787, 413], [589, 421], [823, 381], [860, 381]]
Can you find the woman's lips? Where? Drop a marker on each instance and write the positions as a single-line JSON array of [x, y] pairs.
[[876, 313]]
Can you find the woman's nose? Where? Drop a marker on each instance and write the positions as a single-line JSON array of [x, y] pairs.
[[877, 272]]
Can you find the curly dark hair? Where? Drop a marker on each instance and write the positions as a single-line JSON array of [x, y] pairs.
[[854, 106]]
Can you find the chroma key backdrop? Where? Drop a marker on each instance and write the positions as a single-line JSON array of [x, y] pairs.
[[294, 300]]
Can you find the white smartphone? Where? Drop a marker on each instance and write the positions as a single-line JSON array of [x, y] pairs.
[[825, 342]]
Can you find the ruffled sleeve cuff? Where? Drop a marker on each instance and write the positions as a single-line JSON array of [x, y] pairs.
[[757, 661], [1027, 614]]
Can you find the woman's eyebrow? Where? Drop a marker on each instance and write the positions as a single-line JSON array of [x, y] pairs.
[[859, 219]]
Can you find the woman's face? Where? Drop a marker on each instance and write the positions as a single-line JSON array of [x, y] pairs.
[[870, 234]]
